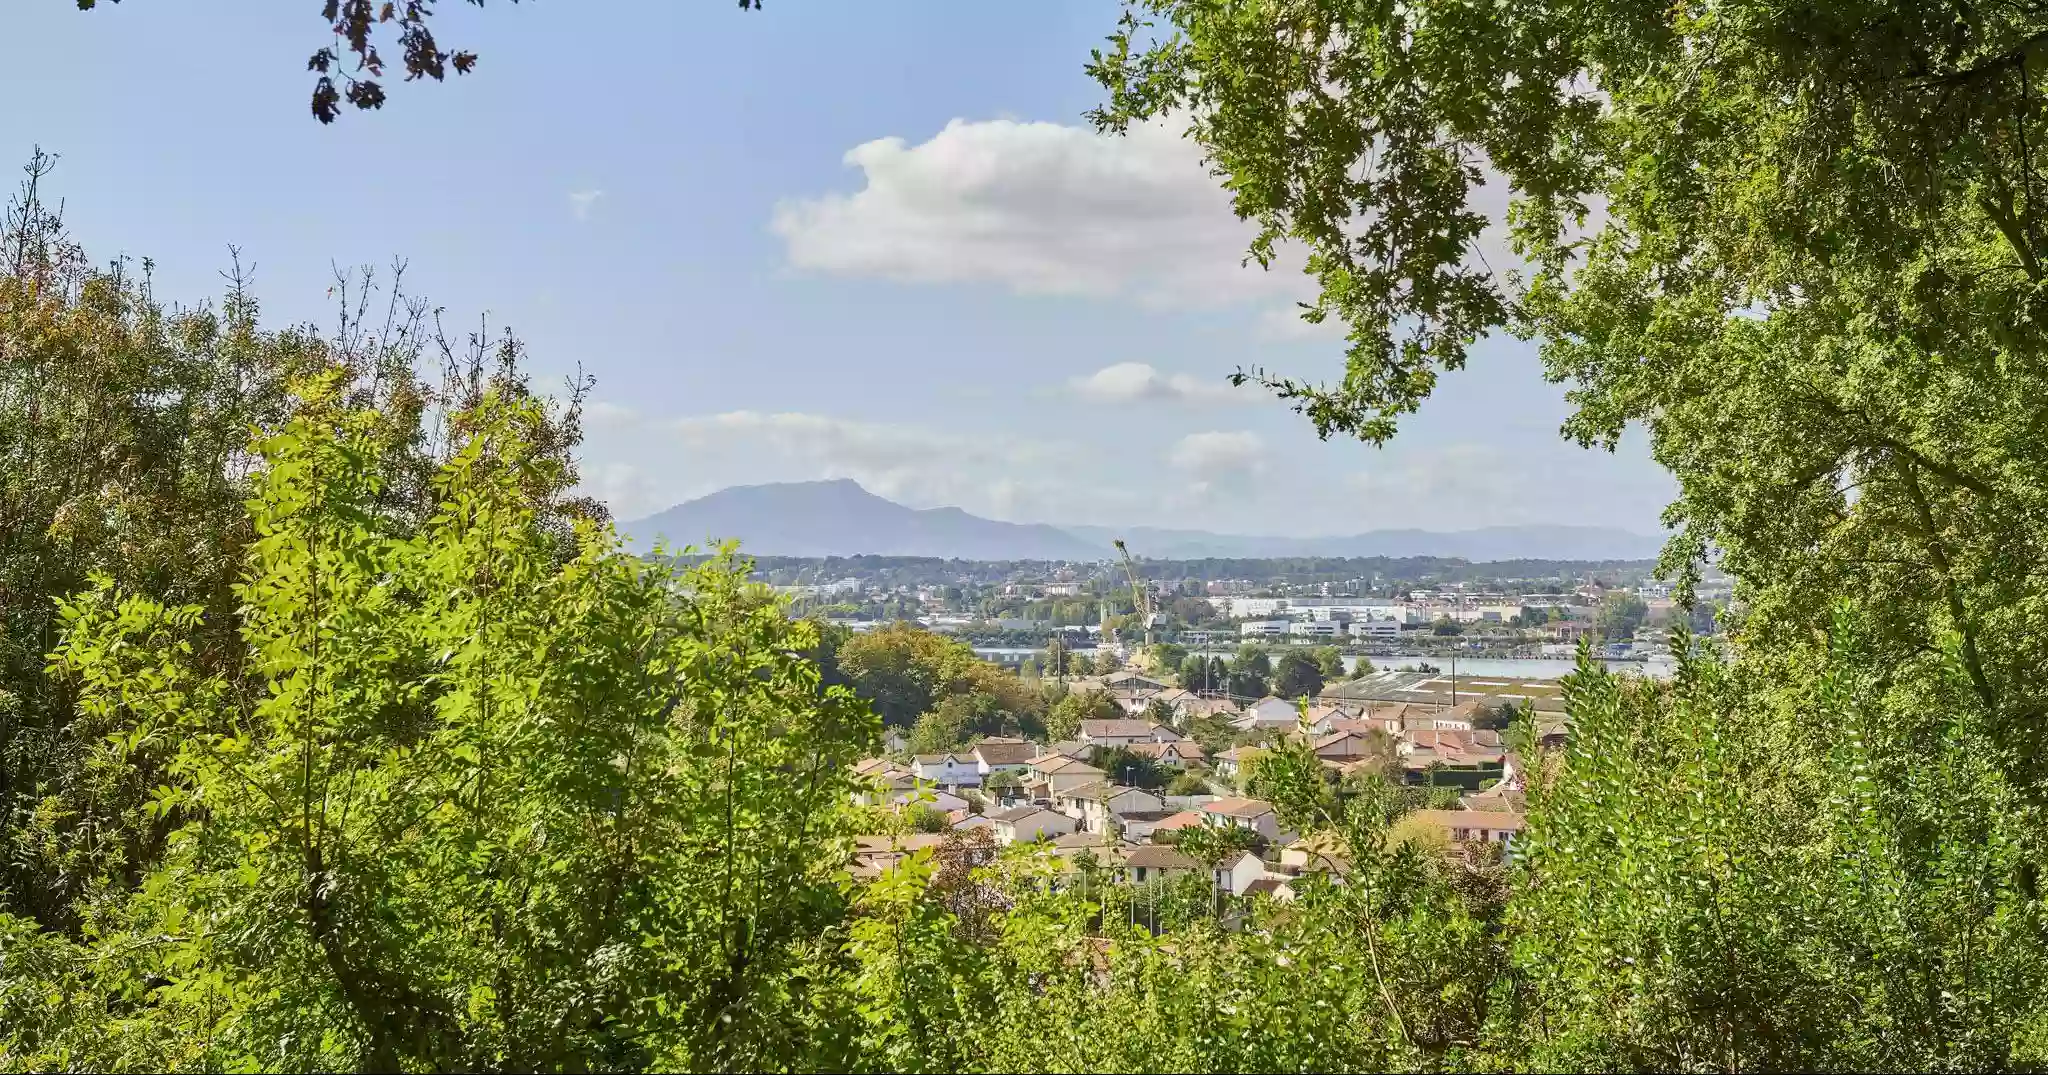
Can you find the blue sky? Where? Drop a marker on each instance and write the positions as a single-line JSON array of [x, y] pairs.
[[828, 239]]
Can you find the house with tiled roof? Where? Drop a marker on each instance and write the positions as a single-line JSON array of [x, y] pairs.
[[1253, 814], [1474, 826], [1176, 755], [1097, 805], [947, 770], [1186, 819], [878, 780], [1231, 762], [1190, 708], [1119, 733], [1024, 824], [1347, 746], [1157, 862], [993, 756], [1269, 713], [1051, 774]]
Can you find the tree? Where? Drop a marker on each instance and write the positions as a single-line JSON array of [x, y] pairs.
[[1297, 676], [1126, 767], [1445, 627], [1056, 659], [1252, 659], [453, 766], [1827, 358], [1194, 673], [1063, 722], [1247, 685], [1496, 718], [1330, 661], [354, 59], [125, 429], [1620, 614], [1210, 845], [1186, 783], [1167, 656]]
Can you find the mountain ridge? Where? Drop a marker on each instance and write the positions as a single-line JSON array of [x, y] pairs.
[[839, 517]]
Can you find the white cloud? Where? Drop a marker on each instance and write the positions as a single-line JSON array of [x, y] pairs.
[[1130, 382], [1041, 208], [582, 201], [1233, 452]]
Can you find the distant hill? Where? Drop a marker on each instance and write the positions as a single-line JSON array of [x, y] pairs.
[[1541, 542], [839, 518]]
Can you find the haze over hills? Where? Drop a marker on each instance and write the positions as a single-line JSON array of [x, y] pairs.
[[1534, 542], [840, 518]]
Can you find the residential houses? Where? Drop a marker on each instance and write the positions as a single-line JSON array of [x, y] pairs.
[[1097, 805], [1186, 819], [1474, 826], [1157, 862], [1231, 762], [1236, 874], [1051, 774], [1123, 733], [1031, 822], [1174, 755], [947, 770], [993, 756], [1269, 713], [1252, 814]]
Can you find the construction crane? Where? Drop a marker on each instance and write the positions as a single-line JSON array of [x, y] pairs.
[[1141, 599]]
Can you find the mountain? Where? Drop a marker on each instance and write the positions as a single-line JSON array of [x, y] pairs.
[[1540, 542], [839, 518]]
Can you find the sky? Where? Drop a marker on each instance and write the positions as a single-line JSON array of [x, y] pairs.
[[873, 240]]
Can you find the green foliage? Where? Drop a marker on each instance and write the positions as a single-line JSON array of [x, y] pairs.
[[1619, 616], [1186, 783], [1125, 767], [1496, 718], [469, 805], [1330, 662], [1297, 676], [1212, 844], [1198, 673], [1736, 887], [1063, 722], [125, 432], [908, 672]]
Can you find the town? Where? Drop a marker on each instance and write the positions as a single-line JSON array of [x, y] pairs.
[[1139, 762]]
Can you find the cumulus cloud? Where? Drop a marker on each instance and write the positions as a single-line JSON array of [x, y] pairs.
[[582, 201], [1040, 208], [1131, 382]]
